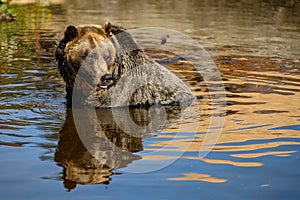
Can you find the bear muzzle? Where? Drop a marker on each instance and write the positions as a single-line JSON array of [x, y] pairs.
[[105, 81]]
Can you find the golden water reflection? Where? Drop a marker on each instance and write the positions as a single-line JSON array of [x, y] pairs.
[[262, 95], [198, 177], [256, 155]]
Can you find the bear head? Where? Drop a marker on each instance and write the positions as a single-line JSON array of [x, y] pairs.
[[88, 49]]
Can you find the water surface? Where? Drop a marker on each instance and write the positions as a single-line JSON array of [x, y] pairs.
[[256, 49]]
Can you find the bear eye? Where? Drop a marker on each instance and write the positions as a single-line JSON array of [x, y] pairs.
[[85, 54]]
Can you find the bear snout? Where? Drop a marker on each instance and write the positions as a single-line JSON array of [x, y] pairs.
[[106, 80]]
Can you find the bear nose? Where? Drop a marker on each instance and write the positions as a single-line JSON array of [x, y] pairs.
[[105, 80], [107, 77]]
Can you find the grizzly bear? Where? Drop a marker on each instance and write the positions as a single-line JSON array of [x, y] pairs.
[[104, 66]]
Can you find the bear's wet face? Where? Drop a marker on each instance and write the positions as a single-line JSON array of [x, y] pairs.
[[87, 51]]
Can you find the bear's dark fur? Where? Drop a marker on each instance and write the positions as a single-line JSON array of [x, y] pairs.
[[105, 67]]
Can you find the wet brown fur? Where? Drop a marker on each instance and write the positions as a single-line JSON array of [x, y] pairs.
[[121, 57]]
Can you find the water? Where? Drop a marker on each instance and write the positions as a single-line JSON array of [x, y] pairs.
[[255, 46]]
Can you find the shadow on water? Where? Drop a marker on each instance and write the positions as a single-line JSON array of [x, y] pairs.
[[114, 147]]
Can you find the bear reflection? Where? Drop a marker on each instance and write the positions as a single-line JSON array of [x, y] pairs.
[[104, 140]]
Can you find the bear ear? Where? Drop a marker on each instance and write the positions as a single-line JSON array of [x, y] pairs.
[[70, 33], [107, 28]]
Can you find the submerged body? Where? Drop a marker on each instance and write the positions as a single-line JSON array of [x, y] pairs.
[[105, 67]]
